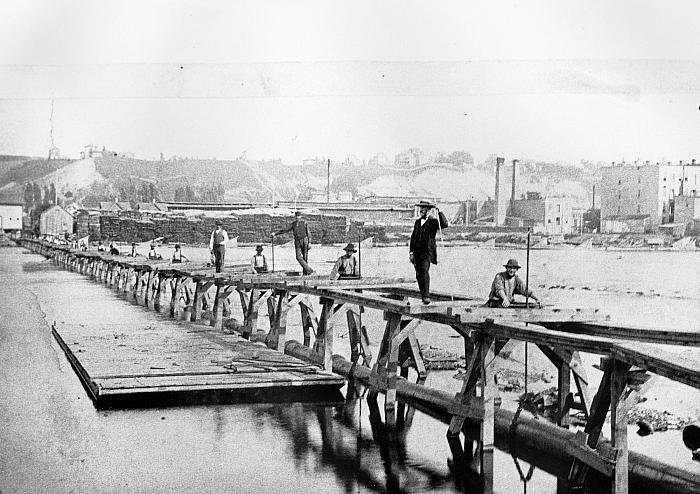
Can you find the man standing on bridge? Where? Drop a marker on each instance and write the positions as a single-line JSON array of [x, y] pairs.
[[423, 251], [302, 241], [217, 246]]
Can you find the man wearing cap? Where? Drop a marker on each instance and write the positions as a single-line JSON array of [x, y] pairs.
[[346, 265], [508, 284], [302, 241], [258, 263], [217, 246], [422, 250]]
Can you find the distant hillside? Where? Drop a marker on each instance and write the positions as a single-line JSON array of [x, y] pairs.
[[73, 176], [106, 178], [20, 170]]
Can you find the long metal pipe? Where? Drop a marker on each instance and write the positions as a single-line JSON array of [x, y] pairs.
[[535, 437]]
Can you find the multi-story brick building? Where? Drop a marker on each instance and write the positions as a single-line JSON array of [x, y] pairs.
[[634, 189]]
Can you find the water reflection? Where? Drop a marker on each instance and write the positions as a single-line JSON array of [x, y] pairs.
[[354, 443]]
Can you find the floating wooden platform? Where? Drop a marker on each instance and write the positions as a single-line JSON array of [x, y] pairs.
[[125, 365]]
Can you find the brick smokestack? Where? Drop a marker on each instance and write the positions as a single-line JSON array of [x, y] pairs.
[[499, 162], [512, 188]]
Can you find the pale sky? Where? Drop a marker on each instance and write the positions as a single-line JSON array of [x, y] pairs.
[[546, 80]]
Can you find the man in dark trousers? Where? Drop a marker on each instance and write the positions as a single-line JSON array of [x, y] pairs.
[[423, 251], [302, 241], [217, 246]]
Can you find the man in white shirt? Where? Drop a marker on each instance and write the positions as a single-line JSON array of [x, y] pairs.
[[217, 246], [258, 263]]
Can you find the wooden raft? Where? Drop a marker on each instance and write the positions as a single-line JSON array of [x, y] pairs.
[[137, 365]]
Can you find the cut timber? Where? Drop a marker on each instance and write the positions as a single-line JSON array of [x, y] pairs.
[[122, 365], [481, 313], [684, 337]]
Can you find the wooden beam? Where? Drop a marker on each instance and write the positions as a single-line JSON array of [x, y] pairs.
[[667, 336], [662, 362]]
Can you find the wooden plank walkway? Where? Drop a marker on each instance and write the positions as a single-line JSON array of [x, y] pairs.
[[127, 364]]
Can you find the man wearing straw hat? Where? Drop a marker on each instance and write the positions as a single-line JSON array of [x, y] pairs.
[[346, 265], [508, 284], [423, 251]]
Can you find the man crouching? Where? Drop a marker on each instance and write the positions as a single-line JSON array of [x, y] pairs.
[[508, 284]]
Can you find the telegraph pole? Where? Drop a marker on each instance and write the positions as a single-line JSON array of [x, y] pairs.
[[328, 183]]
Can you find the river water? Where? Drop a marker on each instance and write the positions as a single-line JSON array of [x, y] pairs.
[[54, 440]]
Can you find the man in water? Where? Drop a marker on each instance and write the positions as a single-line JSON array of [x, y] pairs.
[[217, 246], [508, 284], [258, 263], [346, 265], [423, 251], [302, 241]]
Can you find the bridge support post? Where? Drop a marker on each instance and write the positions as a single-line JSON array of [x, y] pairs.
[[324, 334], [200, 292], [217, 313], [398, 345], [308, 320], [277, 309]]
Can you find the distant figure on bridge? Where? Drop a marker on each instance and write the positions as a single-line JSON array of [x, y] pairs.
[[101, 247], [302, 241], [346, 265], [113, 251], [178, 256], [153, 253], [258, 263], [133, 250], [423, 251], [508, 284], [217, 246]]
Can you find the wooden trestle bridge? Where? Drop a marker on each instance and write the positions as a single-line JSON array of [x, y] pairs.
[[628, 354]]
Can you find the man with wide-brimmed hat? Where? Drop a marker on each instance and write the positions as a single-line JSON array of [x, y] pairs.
[[423, 250], [258, 263], [217, 245], [346, 265], [506, 285], [302, 241]]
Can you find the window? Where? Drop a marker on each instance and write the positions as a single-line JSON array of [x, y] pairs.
[[558, 220], [639, 193], [639, 209], [619, 182]]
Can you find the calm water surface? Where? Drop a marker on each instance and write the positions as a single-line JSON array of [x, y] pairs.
[[55, 441]]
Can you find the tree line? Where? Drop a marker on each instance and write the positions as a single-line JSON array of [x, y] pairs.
[[37, 198]]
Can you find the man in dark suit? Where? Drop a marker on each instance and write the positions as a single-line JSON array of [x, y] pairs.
[[423, 251]]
